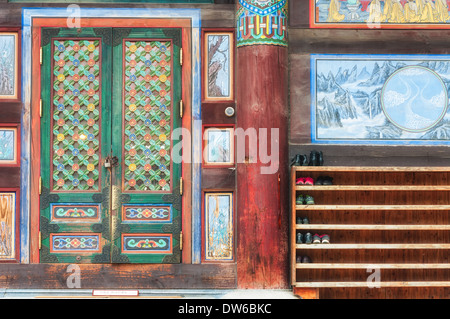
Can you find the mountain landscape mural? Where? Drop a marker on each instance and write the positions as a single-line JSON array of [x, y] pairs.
[[373, 99]]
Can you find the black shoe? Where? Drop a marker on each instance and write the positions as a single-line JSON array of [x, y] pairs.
[[299, 160], [299, 238], [319, 180], [306, 259], [327, 180], [320, 158], [313, 159], [308, 238]]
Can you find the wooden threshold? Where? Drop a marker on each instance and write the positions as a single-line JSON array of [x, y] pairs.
[[374, 265], [371, 227], [372, 246], [381, 188], [372, 207], [370, 169], [381, 284]]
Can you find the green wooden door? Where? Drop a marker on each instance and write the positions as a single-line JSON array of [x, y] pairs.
[[110, 190]]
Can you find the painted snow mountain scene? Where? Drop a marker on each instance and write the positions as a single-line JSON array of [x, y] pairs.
[[380, 99]]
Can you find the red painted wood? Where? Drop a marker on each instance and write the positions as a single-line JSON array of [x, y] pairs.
[[262, 199]]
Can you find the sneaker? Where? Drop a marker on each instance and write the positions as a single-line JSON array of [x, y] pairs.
[[308, 238], [325, 239], [300, 181], [299, 238], [309, 200], [316, 239], [298, 259], [299, 200], [308, 181], [299, 220], [306, 259], [305, 220]]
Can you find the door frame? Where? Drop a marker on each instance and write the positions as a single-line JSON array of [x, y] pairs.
[[35, 19]]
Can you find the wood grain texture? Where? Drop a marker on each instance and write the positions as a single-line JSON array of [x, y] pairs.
[[52, 276], [262, 199]]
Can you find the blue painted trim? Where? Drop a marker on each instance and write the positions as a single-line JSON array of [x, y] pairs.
[[365, 57], [144, 13], [149, 221]]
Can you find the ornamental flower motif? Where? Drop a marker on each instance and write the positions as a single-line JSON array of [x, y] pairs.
[[75, 182], [91, 92], [76, 77], [76, 107], [163, 78], [91, 47], [61, 92], [163, 137], [132, 152], [132, 63], [162, 152], [132, 107], [147, 167], [91, 62], [76, 62], [60, 107], [90, 182], [91, 107], [132, 48], [91, 77], [75, 137], [75, 152], [76, 122], [133, 78], [90, 167], [60, 182], [61, 122], [132, 167], [132, 182], [60, 167], [75, 167], [90, 122], [132, 122], [90, 152], [148, 48], [76, 47], [61, 63], [162, 182], [61, 48], [60, 137], [60, 152], [162, 122]]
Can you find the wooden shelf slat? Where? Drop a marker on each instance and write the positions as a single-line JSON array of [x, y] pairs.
[[372, 207], [372, 246], [375, 265], [362, 284], [371, 227]]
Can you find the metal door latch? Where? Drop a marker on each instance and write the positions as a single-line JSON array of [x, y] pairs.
[[111, 161]]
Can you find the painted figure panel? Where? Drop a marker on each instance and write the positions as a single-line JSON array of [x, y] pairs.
[[7, 225]]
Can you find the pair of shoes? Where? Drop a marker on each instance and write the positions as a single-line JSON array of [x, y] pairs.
[[304, 181], [302, 220], [324, 239], [304, 259], [304, 239], [299, 160], [315, 158], [324, 180], [304, 200]]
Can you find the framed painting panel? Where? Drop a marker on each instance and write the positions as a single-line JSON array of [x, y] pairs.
[[218, 146], [9, 66], [375, 14], [218, 66], [218, 226], [9, 145], [380, 99], [9, 225]]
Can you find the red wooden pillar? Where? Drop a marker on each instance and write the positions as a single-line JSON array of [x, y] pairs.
[[262, 103]]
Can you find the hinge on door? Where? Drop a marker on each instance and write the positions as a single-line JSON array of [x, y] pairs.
[[181, 240], [40, 55], [40, 185], [181, 108], [181, 186], [40, 240], [181, 56], [40, 108]]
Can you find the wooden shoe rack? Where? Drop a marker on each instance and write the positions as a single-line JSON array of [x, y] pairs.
[[389, 227]]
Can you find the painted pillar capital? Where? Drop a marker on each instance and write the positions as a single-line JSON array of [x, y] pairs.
[[262, 22]]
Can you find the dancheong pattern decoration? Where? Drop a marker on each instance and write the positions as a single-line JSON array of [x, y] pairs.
[[75, 243], [147, 243], [75, 212], [147, 115], [262, 22], [76, 115], [147, 213]]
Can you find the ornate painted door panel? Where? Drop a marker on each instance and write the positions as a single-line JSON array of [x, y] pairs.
[[147, 78], [91, 210]]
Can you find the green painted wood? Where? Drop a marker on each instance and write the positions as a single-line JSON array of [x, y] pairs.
[[146, 108]]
